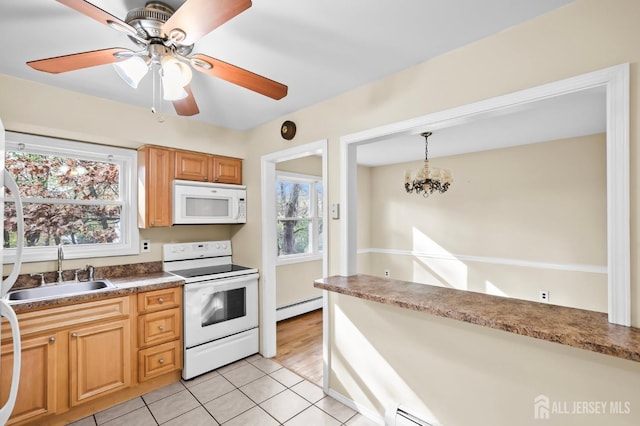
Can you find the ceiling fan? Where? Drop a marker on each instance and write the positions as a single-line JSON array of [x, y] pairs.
[[165, 37]]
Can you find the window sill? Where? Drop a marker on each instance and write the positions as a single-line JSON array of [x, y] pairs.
[[298, 259]]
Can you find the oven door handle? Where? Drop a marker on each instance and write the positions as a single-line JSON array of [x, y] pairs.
[[225, 282]]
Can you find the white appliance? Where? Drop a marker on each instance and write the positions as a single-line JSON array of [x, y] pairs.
[[220, 305], [206, 203], [6, 310]]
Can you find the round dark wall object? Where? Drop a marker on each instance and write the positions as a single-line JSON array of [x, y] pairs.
[[288, 130]]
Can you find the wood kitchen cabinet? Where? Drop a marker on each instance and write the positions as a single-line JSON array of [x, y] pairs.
[[38, 378], [193, 166], [159, 332], [99, 360], [197, 166], [70, 354], [226, 170], [156, 174]]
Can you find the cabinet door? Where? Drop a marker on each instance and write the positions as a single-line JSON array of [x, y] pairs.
[[36, 392], [192, 166], [99, 360], [227, 170], [156, 166]]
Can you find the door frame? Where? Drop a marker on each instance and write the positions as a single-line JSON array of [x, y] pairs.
[[269, 240]]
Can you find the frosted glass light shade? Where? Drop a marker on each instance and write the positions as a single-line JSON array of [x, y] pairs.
[[178, 73], [172, 91], [132, 70]]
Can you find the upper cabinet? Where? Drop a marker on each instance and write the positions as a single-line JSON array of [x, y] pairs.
[[208, 168], [193, 166], [159, 166], [226, 170], [155, 173]]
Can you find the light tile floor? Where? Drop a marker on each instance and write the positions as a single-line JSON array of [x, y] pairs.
[[254, 391]]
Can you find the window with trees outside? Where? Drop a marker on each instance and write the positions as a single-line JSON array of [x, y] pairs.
[[299, 217], [76, 194]]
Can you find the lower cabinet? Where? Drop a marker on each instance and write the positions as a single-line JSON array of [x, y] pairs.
[[99, 360], [74, 355], [37, 389]]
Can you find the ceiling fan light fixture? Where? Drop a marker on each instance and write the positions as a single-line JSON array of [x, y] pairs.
[[132, 70], [172, 91], [176, 72]]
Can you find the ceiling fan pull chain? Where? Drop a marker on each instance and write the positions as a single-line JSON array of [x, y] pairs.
[[156, 91]]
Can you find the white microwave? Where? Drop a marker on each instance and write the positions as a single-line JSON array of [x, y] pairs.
[[207, 203]]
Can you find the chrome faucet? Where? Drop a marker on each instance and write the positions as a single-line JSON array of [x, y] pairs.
[[60, 258]]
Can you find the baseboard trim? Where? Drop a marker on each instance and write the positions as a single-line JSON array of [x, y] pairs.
[[299, 308], [365, 411]]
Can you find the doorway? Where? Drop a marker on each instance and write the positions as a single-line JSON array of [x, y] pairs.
[[269, 288]]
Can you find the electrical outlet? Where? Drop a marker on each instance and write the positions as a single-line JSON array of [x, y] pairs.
[[387, 273], [145, 246], [543, 296]]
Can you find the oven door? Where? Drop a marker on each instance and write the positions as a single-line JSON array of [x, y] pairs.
[[219, 308]]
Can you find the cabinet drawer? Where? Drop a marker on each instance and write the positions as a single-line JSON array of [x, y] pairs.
[[158, 300], [159, 360], [51, 319], [159, 327]]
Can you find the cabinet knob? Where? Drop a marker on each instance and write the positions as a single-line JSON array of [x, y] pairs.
[[161, 361], [160, 300], [161, 327], [52, 339], [153, 223], [74, 334], [206, 178]]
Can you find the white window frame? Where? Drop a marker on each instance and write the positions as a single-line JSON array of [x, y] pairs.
[[125, 158], [316, 253]]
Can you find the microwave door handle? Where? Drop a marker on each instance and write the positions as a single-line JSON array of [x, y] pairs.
[[237, 208]]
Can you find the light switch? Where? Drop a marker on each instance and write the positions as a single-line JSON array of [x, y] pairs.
[[335, 211]]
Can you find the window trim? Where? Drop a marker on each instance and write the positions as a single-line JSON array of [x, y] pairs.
[[126, 158], [316, 253]]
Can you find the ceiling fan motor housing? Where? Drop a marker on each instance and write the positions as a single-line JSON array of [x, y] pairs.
[[149, 22]]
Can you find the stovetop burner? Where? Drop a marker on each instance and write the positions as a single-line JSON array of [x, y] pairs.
[[210, 270]]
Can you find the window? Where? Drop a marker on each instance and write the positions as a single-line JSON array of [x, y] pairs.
[[77, 194], [299, 217]]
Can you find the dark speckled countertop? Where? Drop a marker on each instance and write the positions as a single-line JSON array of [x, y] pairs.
[[568, 326], [124, 285]]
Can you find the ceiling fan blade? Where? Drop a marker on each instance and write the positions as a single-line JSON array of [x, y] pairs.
[[241, 77], [78, 61], [188, 105], [101, 16], [197, 18]]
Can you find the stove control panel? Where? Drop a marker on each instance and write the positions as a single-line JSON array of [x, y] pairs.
[[196, 250]]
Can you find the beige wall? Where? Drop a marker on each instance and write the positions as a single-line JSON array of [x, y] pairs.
[[543, 203], [294, 282], [462, 374]]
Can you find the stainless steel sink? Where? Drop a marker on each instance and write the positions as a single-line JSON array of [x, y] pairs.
[[52, 291]]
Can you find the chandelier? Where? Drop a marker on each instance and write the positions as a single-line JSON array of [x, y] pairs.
[[427, 180]]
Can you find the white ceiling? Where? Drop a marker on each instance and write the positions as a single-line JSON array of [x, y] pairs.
[[576, 114], [319, 48]]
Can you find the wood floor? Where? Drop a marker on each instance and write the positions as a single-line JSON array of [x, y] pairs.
[[300, 345]]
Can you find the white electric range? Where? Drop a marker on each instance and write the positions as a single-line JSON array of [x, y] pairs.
[[220, 305]]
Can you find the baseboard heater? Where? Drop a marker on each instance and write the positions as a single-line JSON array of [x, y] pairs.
[[398, 415], [298, 308]]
